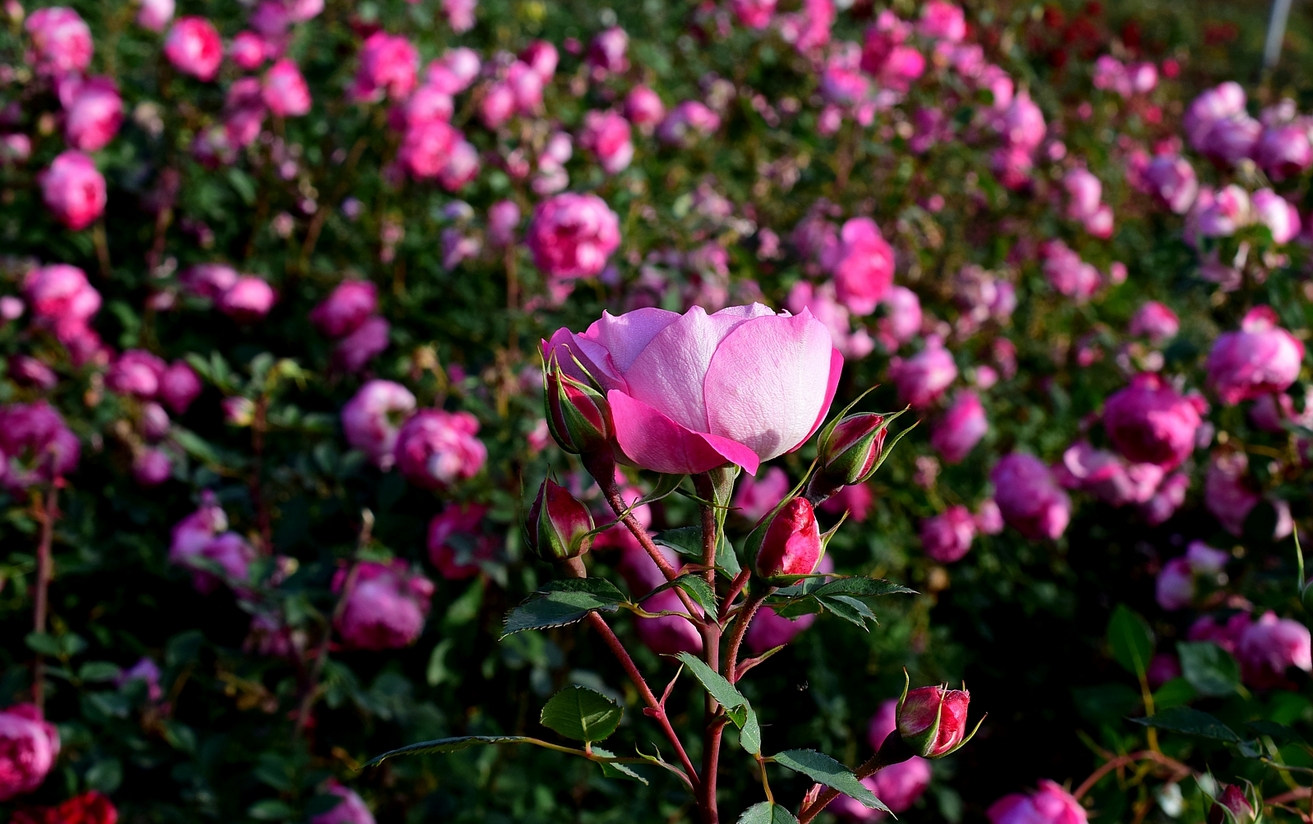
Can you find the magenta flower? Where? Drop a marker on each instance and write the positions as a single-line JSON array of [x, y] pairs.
[[93, 114], [1270, 646], [193, 47], [862, 265], [922, 378], [61, 41], [667, 634], [136, 372], [1050, 804], [946, 538], [1150, 422], [248, 300], [458, 540], [179, 386], [73, 189], [350, 810], [1029, 498], [757, 496], [436, 449], [1154, 321], [1284, 151], [606, 54], [28, 747], [1259, 359], [35, 445], [389, 66], [690, 393], [385, 605], [961, 428], [643, 108], [1228, 492], [285, 91], [606, 135], [345, 308], [371, 420], [1172, 181], [571, 235], [155, 14], [768, 630]]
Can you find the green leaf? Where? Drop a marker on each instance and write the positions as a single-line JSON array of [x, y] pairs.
[[1191, 722], [687, 541], [562, 603], [697, 588], [99, 671], [1279, 733], [1174, 693], [1131, 640], [58, 646], [445, 745], [242, 184], [437, 670], [767, 813], [582, 714], [716, 684], [750, 732], [823, 769], [271, 809], [1208, 668], [617, 770]]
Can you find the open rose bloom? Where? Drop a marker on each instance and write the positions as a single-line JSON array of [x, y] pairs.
[[695, 391]]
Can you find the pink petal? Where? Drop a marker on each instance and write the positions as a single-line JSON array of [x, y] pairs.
[[653, 441], [570, 347], [626, 336], [770, 381]]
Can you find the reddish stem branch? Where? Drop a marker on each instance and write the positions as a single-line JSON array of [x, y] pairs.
[[744, 618], [1178, 769], [873, 765], [44, 568], [711, 654]]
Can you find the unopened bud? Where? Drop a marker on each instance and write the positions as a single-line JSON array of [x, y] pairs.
[[932, 721], [577, 414], [851, 453], [559, 526], [1231, 807], [791, 543], [238, 411]]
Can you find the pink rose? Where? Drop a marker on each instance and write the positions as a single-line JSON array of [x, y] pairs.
[[1029, 498], [459, 541], [1084, 194], [503, 220], [1068, 274], [754, 14], [1271, 645], [757, 496], [1166, 500], [1284, 151], [61, 41], [384, 607], [690, 393], [193, 47], [248, 300], [1172, 181], [1050, 804], [898, 785], [455, 70], [943, 21], [1149, 422], [285, 91], [571, 235], [1259, 359], [28, 748], [1211, 107], [542, 57], [1154, 321], [1228, 492], [350, 810], [426, 148], [247, 50], [136, 372], [688, 119], [93, 115], [179, 386], [460, 14], [345, 308], [1022, 124], [389, 66], [862, 266], [825, 307], [1108, 476], [1232, 139], [354, 352], [1277, 214], [151, 467], [922, 378], [961, 428], [155, 14], [946, 538], [606, 54], [38, 444], [606, 135], [371, 420], [435, 448], [1174, 586], [73, 189], [644, 108]]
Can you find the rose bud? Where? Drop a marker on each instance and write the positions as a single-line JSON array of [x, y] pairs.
[[932, 720], [559, 524], [851, 452], [578, 415], [791, 543], [1231, 807]]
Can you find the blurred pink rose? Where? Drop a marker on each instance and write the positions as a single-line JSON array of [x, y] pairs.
[[571, 235], [1172, 180], [922, 378], [345, 308], [862, 266], [768, 630], [693, 392], [151, 467], [1022, 124], [1284, 151], [1260, 358], [350, 810], [606, 135], [1166, 500], [686, 120], [179, 386], [1270, 646], [136, 372], [961, 427], [1154, 321], [193, 47], [825, 307], [644, 109], [1149, 422], [1029, 498], [61, 41], [460, 14], [285, 90], [73, 189], [667, 634], [1084, 194], [754, 14], [542, 57], [155, 14], [458, 540], [757, 496], [606, 54], [902, 320], [247, 50], [1050, 804], [947, 537], [1277, 214], [435, 448], [248, 300], [1210, 108], [1068, 274], [384, 606], [93, 114], [942, 20], [372, 419], [897, 785], [28, 748], [37, 443], [1228, 492], [389, 66]]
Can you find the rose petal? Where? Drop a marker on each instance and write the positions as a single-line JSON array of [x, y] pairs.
[[653, 441]]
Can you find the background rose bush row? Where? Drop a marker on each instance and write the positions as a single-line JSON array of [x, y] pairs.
[[275, 283]]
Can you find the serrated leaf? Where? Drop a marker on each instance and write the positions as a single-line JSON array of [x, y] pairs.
[[697, 588], [562, 603], [445, 745], [750, 732], [687, 541], [848, 608], [823, 769], [861, 587], [715, 683], [1191, 722], [1208, 668], [611, 770], [1131, 640], [767, 813], [582, 714]]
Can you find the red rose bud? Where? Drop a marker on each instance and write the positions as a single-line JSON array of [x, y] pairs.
[[791, 544], [852, 451], [932, 721], [577, 414], [559, 526], [1231, 807]]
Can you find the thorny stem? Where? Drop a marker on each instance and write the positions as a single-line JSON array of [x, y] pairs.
[[656, 709], [744, 618], [43, 573], [736, 586], [702, 483], [1179, 770]]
